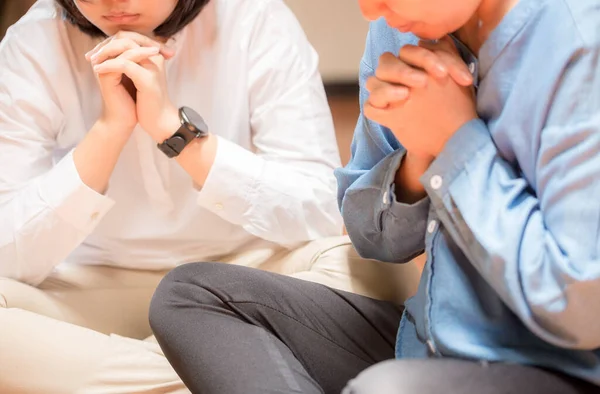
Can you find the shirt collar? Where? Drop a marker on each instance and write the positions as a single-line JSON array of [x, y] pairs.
[[469, 58], [502, 35], [512, 23]]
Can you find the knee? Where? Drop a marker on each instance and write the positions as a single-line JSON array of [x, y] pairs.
[[389, 377], [170, 292], [186, 286]]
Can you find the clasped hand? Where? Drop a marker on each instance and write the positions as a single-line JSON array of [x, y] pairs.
[[423, 96], [130, 69]]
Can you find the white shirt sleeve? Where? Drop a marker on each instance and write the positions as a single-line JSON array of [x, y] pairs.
[[46, 211], [285, 191]]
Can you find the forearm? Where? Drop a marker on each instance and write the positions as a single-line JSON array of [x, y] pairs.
[[408, 187], [29, 251], [96, 156], [283, 201], [198, 158], [43, 222], [381, 227]]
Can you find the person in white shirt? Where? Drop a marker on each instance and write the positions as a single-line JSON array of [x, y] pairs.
[[136, 136]]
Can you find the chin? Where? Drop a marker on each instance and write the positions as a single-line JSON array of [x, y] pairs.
[[109, 32], [112, 30], [431, 36]]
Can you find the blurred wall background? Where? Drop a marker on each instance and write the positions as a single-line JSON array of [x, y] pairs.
[[337, 30]]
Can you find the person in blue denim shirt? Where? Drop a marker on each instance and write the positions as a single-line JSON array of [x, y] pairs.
[[479, 144], [503, 201]]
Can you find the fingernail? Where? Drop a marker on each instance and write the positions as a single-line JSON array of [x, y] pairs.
[[466, 76]]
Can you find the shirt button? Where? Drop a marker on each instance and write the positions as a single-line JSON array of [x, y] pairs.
[[219, 207], [386, 198], [431, 347], [436, 182], [432, 226], [472, 67], [94, 216]]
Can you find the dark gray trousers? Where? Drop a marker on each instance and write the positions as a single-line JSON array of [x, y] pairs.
[[451, 376], [228, 329]]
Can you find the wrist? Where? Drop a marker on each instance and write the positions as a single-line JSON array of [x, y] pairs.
[[96, 155], [407, 181], [418, 161], [449, 137], [167, 125], [198, 157], [114, 131]]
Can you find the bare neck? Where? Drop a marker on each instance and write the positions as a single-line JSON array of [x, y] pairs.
[[488, 16]]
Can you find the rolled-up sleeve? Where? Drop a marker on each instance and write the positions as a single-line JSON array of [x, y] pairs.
[[379, 226]]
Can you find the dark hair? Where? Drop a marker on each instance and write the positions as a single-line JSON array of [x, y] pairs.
[[185, 11]]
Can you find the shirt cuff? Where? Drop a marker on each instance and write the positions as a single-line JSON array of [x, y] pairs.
[[231, 181], [72, 200], [409, 212], [460, 149]]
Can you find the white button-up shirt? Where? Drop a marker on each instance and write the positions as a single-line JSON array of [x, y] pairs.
[[246, 67]]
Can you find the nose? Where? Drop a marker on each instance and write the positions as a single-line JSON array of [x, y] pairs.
[[119, 3], [372, 9]]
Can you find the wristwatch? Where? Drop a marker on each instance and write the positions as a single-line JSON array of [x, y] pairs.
[[192, 127]]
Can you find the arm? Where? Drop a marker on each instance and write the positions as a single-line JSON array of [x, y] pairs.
[[283, 191], [408, 187], [535, 241], [379, 225], [46, 209]]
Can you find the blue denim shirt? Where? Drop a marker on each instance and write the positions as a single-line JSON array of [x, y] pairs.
[[511, 222]]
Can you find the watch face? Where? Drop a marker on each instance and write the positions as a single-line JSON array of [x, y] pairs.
[[193, 120]]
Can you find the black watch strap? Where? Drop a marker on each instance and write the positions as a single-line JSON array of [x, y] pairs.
[[192, 127]]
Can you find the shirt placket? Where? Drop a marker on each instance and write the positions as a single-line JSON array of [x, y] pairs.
[[433, 226]]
